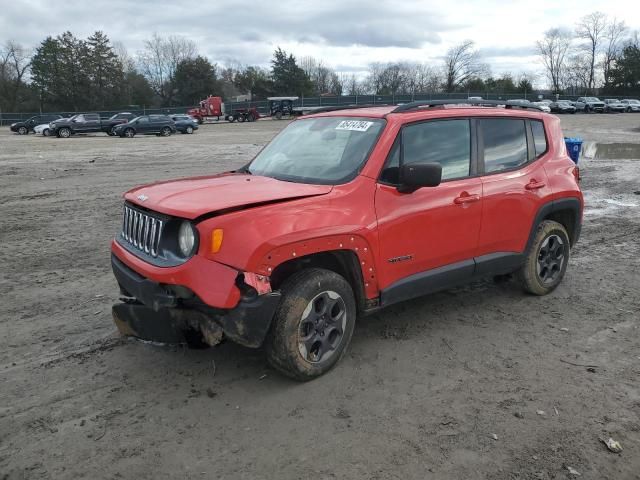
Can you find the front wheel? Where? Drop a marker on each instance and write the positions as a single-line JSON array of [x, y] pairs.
[[64, 133], [313, 324], [129, 133], [547, 259], [165, 132], [23, 131], [46, 132]]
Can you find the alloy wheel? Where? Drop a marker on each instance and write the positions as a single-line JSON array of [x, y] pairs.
[[551, 258], [322, 327]]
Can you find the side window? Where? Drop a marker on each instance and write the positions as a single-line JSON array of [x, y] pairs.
[[539, 138], [447, 142], [92, 117], [143, 120], [80, 118], [505, 143]]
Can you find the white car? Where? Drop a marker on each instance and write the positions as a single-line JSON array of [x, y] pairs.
[[542, 106], [42, 129]]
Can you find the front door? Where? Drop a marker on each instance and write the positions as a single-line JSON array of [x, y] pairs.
[[433, 227]]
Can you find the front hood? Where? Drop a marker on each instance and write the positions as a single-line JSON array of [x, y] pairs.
[[193, 197]]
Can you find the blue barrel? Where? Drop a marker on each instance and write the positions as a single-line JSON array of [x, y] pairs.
[[574, 145]]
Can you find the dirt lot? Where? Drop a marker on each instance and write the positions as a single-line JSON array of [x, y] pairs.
[[420, 394]]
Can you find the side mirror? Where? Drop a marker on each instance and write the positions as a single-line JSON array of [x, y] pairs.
[[413, 177]]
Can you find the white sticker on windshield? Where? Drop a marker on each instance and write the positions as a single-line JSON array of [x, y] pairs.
[[354, 125]]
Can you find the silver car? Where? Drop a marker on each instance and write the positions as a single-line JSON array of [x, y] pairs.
[[614, 105], [631, 105]]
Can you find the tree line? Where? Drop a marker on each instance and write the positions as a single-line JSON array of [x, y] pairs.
[[66, 73], [598, 54]]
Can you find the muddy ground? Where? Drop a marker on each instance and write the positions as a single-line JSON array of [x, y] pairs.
[[421, 393]]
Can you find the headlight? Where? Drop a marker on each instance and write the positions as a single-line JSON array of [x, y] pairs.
[[186, 238]]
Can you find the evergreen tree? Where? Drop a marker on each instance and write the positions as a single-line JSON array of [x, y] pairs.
[[194, 80], [104, 72], [288, 77]]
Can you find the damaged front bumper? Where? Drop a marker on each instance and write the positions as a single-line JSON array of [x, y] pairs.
[[172, 314]]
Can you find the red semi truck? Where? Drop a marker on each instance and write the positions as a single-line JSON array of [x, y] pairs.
[[213, 107]]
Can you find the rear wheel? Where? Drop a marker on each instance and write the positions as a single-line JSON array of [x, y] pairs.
[[23, 131], [189, 130], [547, 259], [313, 324]]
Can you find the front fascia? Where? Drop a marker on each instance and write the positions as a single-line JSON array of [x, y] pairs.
[[211, 281]]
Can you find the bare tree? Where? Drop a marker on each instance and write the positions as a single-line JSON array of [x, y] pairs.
[[15, 61], [461, 63], [159, 61], [591, 28], [553, 49], [126, 60], [614, 37]]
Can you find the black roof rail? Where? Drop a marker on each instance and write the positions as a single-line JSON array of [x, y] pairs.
[[343, 107], [462, 101]]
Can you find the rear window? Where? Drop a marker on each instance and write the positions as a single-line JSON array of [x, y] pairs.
[[539, 138], [505, 143]]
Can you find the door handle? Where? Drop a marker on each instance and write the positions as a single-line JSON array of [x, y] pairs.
[[535, 185], [462, 199]]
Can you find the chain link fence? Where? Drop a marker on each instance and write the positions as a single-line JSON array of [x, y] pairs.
[[263, 105]]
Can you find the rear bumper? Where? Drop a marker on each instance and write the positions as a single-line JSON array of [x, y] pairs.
[[167, 313]]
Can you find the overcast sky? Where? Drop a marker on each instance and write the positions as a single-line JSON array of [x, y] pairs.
[[346, 34]]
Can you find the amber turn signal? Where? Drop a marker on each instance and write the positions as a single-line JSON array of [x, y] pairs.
[[216, 240]]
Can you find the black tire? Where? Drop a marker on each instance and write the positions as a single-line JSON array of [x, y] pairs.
[[46, 132], [112, 131], [200, 121], [278, 115], [165, 132], [241, 118], [231, 118], [251, 118], [189, 130], [64, 132], [313, 302], [128, 133], [547, 259], [23, 131]]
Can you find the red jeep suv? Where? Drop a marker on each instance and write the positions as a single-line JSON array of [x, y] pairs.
[[345, 212]]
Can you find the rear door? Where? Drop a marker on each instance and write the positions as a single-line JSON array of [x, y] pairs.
[[433, 226], [511, 153]]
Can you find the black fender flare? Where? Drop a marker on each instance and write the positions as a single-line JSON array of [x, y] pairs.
[[560, 204]]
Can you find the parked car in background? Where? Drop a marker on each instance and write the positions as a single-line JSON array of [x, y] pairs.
[[120, 118], [43, 130], [185, 123], [562, 106], [614, 105], [543, 106], [146, 125], [589, 104], [83, 123], [631, 105], [29, 125]]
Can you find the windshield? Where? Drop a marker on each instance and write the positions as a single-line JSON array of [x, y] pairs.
[[323, 150]]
